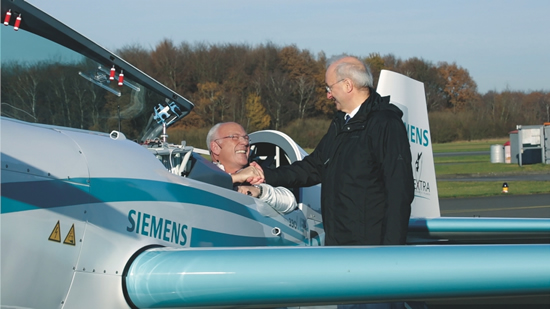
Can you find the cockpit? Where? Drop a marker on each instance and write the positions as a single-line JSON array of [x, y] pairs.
[[268, 148]]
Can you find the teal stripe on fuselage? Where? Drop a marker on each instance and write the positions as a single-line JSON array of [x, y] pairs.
[[206, 238], [102, 188], [133, 190], [32, 195], [9, 205]]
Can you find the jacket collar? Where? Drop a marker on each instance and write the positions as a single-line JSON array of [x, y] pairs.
[[373, 102]]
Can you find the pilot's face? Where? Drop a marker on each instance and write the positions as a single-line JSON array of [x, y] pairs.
[[234, 146]]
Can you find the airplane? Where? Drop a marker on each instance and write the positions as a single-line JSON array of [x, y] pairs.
[[91, 219]]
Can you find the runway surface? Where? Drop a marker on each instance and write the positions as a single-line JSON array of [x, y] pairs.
[[507, 206]]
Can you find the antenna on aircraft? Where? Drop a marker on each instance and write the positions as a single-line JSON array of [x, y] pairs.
[[119, 120], [164, 135]]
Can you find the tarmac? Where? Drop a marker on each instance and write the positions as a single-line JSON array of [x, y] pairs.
[[505, 205]]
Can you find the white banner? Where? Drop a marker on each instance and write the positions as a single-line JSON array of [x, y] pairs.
[[408, 94]]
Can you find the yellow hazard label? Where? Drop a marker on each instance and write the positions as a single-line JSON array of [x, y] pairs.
[[69, 239], [56, 233]]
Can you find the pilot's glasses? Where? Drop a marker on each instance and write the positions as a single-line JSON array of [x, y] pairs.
[[236, 138]]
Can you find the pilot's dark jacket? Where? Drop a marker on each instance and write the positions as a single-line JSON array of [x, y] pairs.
[[366, 174]]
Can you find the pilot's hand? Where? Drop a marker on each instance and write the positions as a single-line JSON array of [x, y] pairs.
[[255, 180], [249, 190]]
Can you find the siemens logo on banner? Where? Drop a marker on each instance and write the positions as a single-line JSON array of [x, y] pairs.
[[418, 135]]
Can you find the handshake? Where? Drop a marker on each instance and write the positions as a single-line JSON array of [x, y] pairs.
[[252, 174]]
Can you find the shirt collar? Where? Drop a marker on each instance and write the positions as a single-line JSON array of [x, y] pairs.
[[218, 164], [353, 112]]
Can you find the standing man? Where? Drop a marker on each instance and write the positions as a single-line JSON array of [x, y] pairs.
[[363, 163]]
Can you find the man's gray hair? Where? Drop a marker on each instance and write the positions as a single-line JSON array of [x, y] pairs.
[[212, 135], [359, 74]]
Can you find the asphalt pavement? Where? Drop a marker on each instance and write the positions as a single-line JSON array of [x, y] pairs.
[[503, 206]]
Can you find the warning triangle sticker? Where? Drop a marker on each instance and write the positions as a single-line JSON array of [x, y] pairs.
[[56, 233], [69, 239]]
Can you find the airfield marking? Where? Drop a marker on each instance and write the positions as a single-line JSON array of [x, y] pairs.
[[56, 233], [492, 209], [69, 239]]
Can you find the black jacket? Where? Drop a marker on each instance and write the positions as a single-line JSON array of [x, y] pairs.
[[366, 174]]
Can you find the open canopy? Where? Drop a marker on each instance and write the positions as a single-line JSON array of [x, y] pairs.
[[52, 74]]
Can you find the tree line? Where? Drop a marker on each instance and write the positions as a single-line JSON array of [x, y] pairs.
[[262, 87]]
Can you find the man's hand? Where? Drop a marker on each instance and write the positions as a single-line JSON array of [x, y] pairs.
[[257, 166], [249, 173], [259, 179], [249, 190]]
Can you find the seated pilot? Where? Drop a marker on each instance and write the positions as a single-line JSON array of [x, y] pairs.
[[229, 149]]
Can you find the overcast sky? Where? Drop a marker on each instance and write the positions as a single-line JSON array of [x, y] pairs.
[[503, 44]]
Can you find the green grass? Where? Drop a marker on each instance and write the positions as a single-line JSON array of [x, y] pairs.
[[481, 145], [462, 159]]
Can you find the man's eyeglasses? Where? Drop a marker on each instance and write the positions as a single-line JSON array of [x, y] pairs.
[[236, 138], [329, 90]]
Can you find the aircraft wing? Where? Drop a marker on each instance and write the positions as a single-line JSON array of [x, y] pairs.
[[479, 230], [275, 277]]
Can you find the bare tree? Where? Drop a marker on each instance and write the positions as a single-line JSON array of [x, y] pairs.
[[22, 92], [279, 92], [305, 88]]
